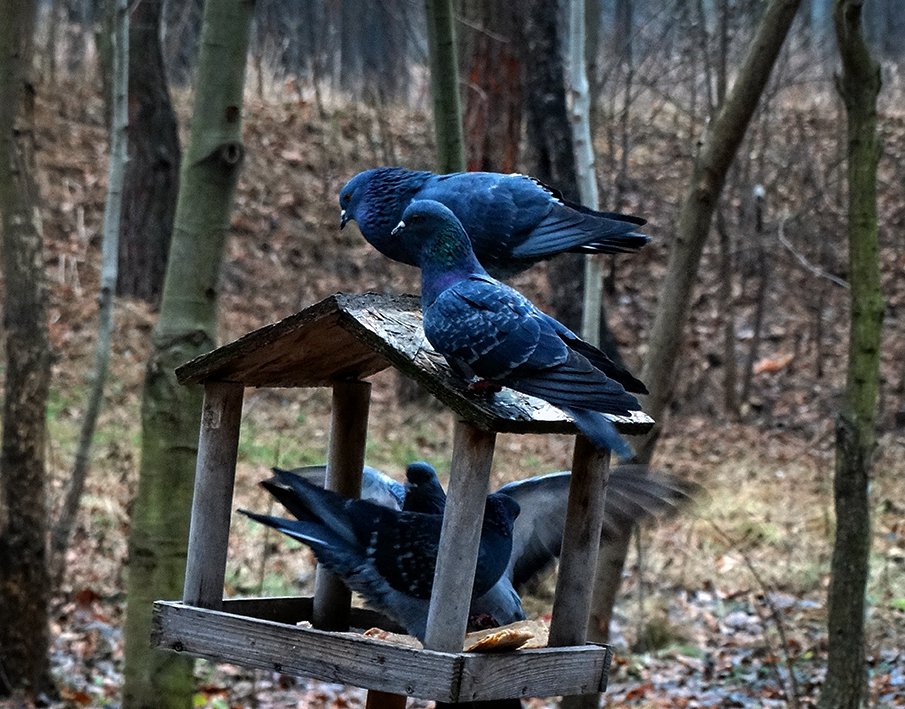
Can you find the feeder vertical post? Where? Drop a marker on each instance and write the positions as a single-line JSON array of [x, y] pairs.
[[215, 474], [348, 435], [457, 558], [580, 544]]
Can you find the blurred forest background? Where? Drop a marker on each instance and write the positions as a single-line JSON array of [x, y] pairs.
[[722, 606]]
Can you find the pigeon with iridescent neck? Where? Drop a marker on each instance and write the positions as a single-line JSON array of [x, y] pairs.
[[490, 334]]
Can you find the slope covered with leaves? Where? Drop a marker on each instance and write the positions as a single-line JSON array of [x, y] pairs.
[[724, 605]]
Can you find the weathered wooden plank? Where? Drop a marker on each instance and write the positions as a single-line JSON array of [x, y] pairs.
[[215, 474], [333, 657], [469, 479], [352, 659], [581, 541], [574, 670], [348, 435], [349, 336]]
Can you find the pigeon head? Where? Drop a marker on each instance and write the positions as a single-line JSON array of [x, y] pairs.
[[375, 200], [435, 238], [352, 195], [500, 512], [423, 492]]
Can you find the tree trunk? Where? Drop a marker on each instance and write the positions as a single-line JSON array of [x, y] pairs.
[[441, 42], [493, 91], [550, 153], [25, 587], [186, 328], [152, 172], [718, 150], [115, 175], [580, 115], [859, 86]]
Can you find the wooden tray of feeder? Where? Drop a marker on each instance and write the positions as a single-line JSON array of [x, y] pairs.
[[263, 633]]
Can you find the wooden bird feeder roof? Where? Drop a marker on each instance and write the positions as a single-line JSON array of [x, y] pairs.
[[348, 337]]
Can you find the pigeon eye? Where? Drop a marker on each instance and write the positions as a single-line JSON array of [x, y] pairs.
[[347, 196], [417, 218]]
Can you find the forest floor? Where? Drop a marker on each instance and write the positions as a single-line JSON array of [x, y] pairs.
[[723, 605]]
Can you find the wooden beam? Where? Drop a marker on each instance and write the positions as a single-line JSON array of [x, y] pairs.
[[580, 544], [469, 479], [348, 435], [215, 474]]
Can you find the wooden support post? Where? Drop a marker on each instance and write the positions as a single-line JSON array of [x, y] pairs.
[[469, 479], [580, 544], [348, 435], [215, 474]]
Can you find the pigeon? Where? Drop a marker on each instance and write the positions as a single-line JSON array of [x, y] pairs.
[[387, 556], [513, 221], [634, 493], [491, 333]]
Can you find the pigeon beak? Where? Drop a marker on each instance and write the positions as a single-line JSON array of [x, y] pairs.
[[399, 227], [343, 219]]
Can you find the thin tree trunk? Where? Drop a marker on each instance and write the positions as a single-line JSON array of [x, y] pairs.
[[62, 530], [859, 86], [492, 121], [441, 42], [760, 298], [186, 328], [25, 588], [719, 147], [152, 173], [580, 115], [730, 375]]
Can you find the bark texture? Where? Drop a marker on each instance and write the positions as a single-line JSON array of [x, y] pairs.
[[187, 327], [24, 580], [493, 86], [152, 172], [859, 85]]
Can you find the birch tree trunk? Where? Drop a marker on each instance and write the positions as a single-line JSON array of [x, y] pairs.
[[115, 176], [186, 328], [24, 583], [580, 116], [859, 85]]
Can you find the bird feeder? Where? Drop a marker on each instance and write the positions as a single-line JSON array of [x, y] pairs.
[[339, 343]]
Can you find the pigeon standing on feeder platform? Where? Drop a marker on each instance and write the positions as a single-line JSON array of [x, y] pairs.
[[491, 332], [513, 221], [387, 556]]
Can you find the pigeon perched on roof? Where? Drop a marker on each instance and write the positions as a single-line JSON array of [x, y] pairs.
[[386, 555], [491, 332], [513, 221], [634, 493]]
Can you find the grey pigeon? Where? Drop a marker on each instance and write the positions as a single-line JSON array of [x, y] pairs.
[[634, 493], [386, 555], [491, 333], [513, 221]]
